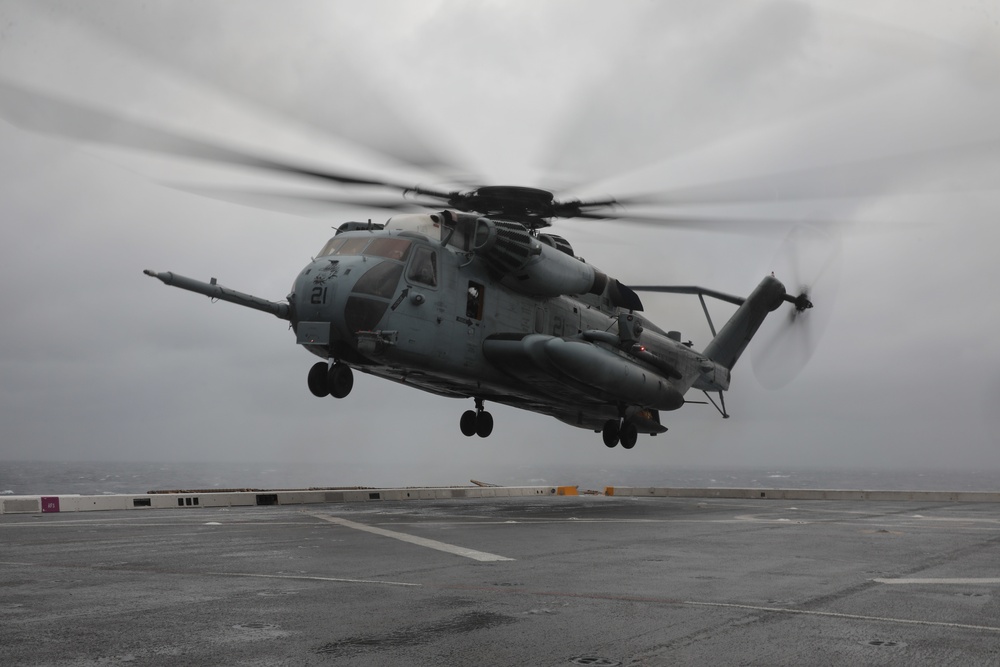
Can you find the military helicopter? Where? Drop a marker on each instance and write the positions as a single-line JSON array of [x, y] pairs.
[[474, 301], [471, 299]]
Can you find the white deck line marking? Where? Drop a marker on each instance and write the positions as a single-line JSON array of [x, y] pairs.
[[990, 581], [855, 617], [312, 578], [412, 539]]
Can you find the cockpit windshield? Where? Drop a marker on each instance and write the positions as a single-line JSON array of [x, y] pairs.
[[390, 248], [342, 246]]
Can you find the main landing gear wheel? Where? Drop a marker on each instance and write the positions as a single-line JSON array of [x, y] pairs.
[[326, 380], [628, 435], [468, 423], [616, 431], [610, 433], [476, 422], [484, 424]]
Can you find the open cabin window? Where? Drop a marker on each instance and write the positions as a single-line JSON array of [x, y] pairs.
[[474, 301]]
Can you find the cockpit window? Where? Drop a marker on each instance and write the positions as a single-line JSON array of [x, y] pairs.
[[342, 246], [389, 248], [352, 246], [331, 246], [380, 280], [423, 268]]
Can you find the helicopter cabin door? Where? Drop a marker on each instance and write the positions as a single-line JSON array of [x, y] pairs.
[[437, 328], [415, 312]]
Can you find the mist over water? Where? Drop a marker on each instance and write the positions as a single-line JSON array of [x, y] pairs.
[[95, 478]]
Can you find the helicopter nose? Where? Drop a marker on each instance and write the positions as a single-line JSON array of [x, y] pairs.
[[316, 292], [345, 295]]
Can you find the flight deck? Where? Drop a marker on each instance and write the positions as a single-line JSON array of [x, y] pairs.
[[639, 577]]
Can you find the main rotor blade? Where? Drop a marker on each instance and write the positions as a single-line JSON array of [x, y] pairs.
[[931, 170], [720, 224], [317, 84], [300, 203], [46, 114]]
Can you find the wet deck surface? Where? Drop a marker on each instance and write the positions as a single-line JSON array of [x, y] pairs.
[[519, 581]]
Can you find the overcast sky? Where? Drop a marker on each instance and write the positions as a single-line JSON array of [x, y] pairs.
[[881, 115]]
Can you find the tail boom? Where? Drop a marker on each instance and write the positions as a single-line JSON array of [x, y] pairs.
[[727, 347]]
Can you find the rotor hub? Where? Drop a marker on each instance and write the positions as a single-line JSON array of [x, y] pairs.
[[531, 206]]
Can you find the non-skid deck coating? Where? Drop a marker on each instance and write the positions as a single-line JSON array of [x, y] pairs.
[[507, 581]]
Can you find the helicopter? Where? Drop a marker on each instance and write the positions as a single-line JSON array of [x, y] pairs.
[[472, 299], [476, 302]]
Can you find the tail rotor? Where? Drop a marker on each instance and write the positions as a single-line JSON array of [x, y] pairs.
[[809, 263]]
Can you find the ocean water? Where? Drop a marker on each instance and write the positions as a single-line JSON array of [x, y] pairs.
[[95, 478]]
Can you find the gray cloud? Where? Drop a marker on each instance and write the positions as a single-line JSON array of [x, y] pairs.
[[100, 362]]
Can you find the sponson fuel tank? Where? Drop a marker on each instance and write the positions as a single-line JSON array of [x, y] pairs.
[[607, 373]]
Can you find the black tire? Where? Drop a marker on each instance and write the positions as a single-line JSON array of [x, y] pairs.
[[468, 423], [629, 435], [610, 433], [318, 379], [340, 380], [484, 424]]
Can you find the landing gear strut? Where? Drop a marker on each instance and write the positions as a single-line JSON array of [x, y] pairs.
[[477, 422], [336, 380], [619, 430]]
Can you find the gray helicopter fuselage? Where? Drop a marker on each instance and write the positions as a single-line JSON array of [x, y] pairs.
[[466, 306], [402, 305]]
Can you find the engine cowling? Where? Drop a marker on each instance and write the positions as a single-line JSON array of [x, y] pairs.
[[530, 266]]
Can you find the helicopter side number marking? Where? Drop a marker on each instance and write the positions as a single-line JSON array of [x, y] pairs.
[[318, 296]]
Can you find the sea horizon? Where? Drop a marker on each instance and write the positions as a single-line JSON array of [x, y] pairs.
[[114, 477]]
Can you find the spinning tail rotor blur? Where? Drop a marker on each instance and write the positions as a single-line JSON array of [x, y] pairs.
[[809, 263]]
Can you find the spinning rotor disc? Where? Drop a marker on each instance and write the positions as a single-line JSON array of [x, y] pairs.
[[808, 262]]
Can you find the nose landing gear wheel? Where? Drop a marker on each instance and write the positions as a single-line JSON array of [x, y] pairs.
[[340, 380], [326, 380], [318, 384]]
